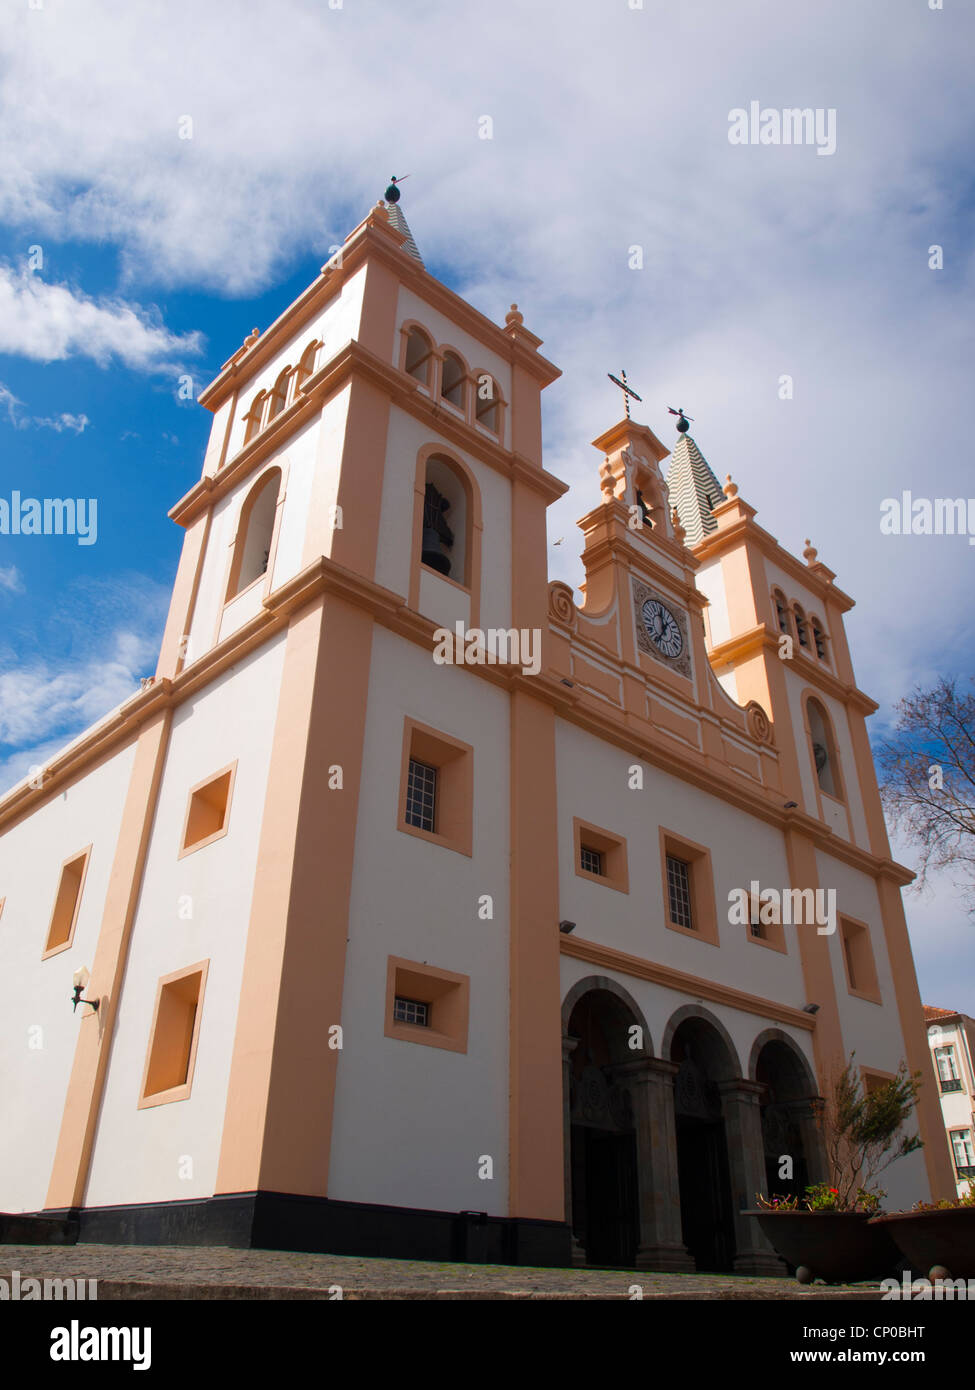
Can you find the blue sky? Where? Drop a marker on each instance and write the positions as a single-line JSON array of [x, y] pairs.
[[609, 131]]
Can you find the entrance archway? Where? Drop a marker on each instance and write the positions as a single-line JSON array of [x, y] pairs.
[[603, 1177], [789, 1113], [707, 1066]]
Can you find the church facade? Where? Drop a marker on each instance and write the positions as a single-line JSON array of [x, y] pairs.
[[427, 912]]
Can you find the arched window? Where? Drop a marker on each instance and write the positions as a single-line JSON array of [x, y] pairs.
[[446, 520], [486, 402], [252, 549], [801, 630], [781, 611], [279, 394], [307, 364], [254, 415], [453, 382], [824, 749], [419, 355], [819, 637]]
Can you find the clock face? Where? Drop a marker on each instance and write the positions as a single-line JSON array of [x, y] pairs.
[[662, 628]]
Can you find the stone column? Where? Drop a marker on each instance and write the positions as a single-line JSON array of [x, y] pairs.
[[746, 1160], [651, 1085], [569, 1046], [805, 1115]]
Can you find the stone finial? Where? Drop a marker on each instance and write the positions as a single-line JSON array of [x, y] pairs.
[[381, 211], [810, 552], [607, 480], [252, 337], [513, 318], [679, 532], [730, 489]]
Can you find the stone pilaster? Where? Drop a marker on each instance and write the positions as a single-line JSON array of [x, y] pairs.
[[651, 1085], [746, 1158]]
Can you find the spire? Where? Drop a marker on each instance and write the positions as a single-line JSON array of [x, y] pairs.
[[397, 218], [694, 490]]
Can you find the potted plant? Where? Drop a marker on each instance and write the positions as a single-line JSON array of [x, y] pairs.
[[830, 1233], [937, 1238]]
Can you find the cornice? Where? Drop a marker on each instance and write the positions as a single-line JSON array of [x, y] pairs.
[[812, 577], [370, 241], [355, 360], [609, 958], [761, 638]]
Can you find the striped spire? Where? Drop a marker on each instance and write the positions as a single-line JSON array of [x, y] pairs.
[[397, 219], [693, 488]]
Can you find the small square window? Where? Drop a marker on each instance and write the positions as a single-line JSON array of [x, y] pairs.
[[425, 1004], [208, 811], [421, 796], [679, 892], [591, 860], [411, 1011], [861, 971]]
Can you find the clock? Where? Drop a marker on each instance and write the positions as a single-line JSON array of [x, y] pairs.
[[662, 628]]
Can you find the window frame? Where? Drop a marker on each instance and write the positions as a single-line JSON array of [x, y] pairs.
[[612, 848], [701, 880], [454, 762], [200, 786], [183, 1089], [83, 855], [447, 1027]]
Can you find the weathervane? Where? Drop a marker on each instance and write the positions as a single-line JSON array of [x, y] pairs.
[[682, 419], [627, 390]]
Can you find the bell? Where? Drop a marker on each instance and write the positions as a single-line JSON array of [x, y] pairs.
[[433, 554]]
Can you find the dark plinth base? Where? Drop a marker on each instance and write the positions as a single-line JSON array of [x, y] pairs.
[[284, 1221]]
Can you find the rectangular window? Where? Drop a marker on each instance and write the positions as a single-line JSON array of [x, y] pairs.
[[688, 887], [436, 789], [591, 860], [173, 1036], [961, 1144], [421, 796], [208, 811], [411, 1011], [861, 971], [67, 902], [679, 892], [947, 1069]]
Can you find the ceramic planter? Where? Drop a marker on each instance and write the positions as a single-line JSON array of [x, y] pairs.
[[837, 1246], [928, 1239]]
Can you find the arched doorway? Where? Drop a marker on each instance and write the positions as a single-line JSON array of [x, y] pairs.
[[789, 1108], [704, 1061], [602, 1132]]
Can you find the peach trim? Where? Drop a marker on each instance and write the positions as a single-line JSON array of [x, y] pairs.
[[217, 834], [536, 1158], [697, 986], [701, 878], [871, 990], [428, 985], [454, 761], [179, 622], [2, 904], [49, 950], [875, 1073], [405, 329], [611, 847], [69, 1173], [475, 529], [464, 411], [181, 1092], [497, 398], [294, 964]]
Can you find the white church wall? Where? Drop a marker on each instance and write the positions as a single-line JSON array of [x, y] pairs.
[[140, 1154], [412, 1121], [40, 1032], [709, 579], [593, 785]]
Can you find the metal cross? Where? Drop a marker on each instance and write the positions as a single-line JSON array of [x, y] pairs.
[[627, 390]]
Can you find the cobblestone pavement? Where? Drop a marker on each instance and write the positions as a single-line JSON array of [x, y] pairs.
[[195, 1272]]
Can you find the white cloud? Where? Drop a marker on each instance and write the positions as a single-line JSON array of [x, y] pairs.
[[76, 423], [9, 403], [48, 323], [10, 579]]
